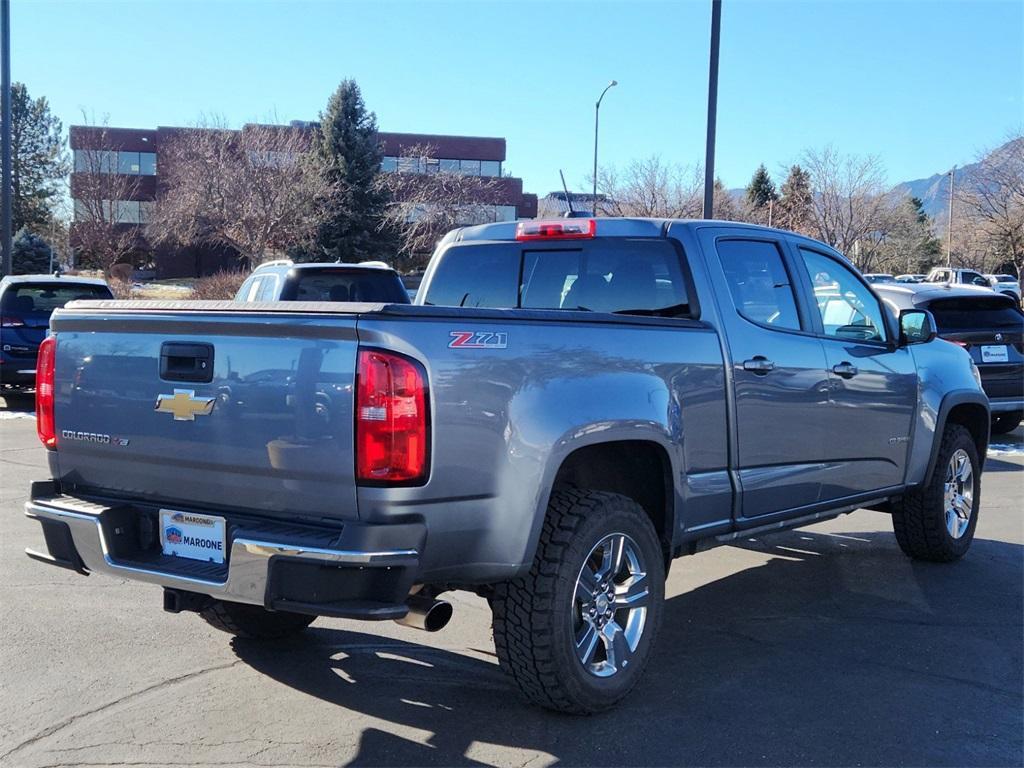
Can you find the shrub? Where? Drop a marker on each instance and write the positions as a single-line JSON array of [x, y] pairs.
[[220, 285]]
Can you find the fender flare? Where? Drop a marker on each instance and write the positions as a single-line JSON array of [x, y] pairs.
[[558, 458], [949, 401]]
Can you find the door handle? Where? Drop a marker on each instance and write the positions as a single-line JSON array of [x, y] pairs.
[[759, 365], [845, 369]]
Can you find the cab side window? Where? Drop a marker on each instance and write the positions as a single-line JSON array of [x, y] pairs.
[[759, 283], [848, 309]]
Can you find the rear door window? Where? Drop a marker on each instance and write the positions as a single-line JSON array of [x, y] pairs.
[[616, 275], [759, 283]]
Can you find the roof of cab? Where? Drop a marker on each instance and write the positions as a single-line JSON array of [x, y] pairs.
[[284, 264]]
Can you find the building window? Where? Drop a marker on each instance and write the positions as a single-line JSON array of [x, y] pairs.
[[449, 166], [127, 212], [490, 168], [389, 164], [128, 163], [504, 213], [431, 165], [470, 167], [145, 211], [110, 161]]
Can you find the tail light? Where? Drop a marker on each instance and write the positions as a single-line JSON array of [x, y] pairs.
[[11, 322], [392, 437], [44, 392], [559, 229]]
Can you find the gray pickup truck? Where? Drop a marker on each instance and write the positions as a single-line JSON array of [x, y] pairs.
[[569, 406]]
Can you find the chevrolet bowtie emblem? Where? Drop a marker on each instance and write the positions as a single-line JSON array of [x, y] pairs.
[[184, 405]]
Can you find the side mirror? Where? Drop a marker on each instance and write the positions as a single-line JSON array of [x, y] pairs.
[[917, 326]]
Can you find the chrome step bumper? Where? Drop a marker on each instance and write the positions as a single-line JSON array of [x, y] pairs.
[[248, 573]]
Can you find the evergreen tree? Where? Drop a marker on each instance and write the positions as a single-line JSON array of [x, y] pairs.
[[39, 161], [30, 254], [793, 211], [761, 189], [348, 145], [911, 244]]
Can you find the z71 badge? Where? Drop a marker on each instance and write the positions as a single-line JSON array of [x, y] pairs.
[[478, 340]]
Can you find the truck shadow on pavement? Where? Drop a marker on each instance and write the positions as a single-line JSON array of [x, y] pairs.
[[837, 650]]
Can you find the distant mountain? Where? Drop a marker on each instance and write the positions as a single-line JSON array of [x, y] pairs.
[[934, 191]]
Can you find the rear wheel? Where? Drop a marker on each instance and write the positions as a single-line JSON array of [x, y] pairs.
[[254, 622], [575, 634], [1004, 423], [936, 522]]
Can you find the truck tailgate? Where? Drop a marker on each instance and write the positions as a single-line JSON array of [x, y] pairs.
[[263, 425]]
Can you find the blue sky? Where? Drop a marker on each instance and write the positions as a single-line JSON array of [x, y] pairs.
[[923, 85]]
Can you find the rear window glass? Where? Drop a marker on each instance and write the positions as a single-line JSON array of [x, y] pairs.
[[46, 297], [628, 276], [972, 314], [372, 285]]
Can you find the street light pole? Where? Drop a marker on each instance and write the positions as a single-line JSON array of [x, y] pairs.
[[5, 130], [597, 113], [709, 157], [949, 222]]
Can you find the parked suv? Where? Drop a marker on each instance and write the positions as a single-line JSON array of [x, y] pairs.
[[372, 281], [990, 326], [26, 302]]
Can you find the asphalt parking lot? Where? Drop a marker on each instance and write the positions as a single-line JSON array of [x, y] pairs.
[[823, 646]]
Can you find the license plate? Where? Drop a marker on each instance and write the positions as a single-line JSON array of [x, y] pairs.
[[196, 537], [994, 354]]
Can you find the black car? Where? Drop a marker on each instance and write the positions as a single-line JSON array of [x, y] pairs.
[[26, 302], [989, 325]]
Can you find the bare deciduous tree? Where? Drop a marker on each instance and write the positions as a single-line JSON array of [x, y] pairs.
[[427, 201], [849, 202], [258, 191], [652, 188], [991, 199], [103, 232]]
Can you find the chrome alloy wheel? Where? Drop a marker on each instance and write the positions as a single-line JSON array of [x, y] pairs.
[[958, 493], [610, 605]]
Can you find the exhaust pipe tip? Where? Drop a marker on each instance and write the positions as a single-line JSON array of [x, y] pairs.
[[427, 614]]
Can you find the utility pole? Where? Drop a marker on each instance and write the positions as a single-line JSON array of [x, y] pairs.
[[709, 156], [5, 142], [949, 223]]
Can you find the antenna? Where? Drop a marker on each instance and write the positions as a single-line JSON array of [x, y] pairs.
[[568, 197]]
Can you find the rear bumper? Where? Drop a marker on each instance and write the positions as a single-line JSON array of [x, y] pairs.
[[18, 376], [359, 571]]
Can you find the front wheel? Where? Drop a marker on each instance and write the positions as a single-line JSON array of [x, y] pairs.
[[575, 633], [936, 522]]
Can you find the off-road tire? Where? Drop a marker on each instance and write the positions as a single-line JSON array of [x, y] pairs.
[[919, 518], [1004, 423], [253, 622], [533, 614]]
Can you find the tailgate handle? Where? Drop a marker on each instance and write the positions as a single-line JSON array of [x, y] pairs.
[[186, 361]]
